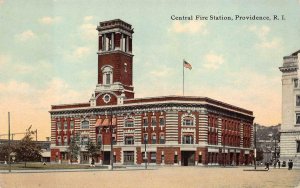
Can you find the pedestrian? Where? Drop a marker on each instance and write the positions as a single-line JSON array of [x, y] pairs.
[[93, 162], [289, 164], [292, 164], [278, 163], [267, 165]]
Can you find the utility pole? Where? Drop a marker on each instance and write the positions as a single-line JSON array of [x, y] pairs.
[[9, 149], [35, 134]]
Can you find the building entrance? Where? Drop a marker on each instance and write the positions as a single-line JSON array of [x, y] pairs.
[[187, 158], [106, 157]]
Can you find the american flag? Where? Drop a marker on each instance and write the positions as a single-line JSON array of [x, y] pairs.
[[187, 65]]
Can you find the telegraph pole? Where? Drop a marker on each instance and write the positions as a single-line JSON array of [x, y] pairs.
[[9, 150], [146, 158], [255, 146]]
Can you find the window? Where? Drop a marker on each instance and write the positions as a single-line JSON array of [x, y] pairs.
[[128, 157], [99, 139], [298, 100], [129, 122], [58, 125], [153, 121], [145, 138], [188, 121], [107, 75], [58, 140], [129, 140], [187, 139], [152, 157], [65, 125], [71, 124], [162, 138], [298, 146], [298, 118], [65, 141], [145, 122], [85, 124], [161, 121], [153, 139], [295, 82], [175, 158], [84, 140]]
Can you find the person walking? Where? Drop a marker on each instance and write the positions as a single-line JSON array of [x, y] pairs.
[[267, 165], [289, 164], [278, 164], [292, 164]]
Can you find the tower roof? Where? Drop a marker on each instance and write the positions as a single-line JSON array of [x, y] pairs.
[[116, 23]]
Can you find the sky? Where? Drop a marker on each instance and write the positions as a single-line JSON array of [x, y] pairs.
[[48, 53]]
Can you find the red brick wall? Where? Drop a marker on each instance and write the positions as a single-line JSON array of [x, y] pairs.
[[100, 102], [139, 155], [118, 154]]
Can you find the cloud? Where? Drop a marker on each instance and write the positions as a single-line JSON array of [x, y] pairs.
[[261, 32], [88, 31], [25, 36], [80, 52], [49, 20], [213, 61], [191, 27], [273, 44], [88, 18]]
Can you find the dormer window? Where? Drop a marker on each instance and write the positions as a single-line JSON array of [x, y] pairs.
[[107, 75]]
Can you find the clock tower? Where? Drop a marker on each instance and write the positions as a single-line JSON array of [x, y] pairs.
[[114, 63]]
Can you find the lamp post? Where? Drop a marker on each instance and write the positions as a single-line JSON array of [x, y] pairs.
[[111, 140], [9, 150]]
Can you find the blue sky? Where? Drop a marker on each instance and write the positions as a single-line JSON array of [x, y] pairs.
[[48, 53]]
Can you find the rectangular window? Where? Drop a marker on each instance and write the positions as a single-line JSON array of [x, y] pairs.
[[298, 118], [84, 140], [71, 124], [145, 122], [129, 123], [58, 125], [99, 139], [298, 146], [295, 83], [187, 139], [153, 139], [58, 140], [128, 157], [129, 140], [297, 100], [153, 121], [145, 138], [162, 139], [152, 157], [161, 121], [175, 159], [65, 125], [65, 141], [188, 121]]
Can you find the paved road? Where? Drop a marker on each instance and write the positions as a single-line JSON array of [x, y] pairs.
[[161, 177]]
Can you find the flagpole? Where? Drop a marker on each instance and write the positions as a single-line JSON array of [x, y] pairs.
[[183, 77]]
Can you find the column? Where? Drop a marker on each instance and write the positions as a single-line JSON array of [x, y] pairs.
[[112, 41]]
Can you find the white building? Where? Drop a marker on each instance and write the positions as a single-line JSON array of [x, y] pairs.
[[290, 128]]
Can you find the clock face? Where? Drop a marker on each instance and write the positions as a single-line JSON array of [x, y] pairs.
[[106, 98]]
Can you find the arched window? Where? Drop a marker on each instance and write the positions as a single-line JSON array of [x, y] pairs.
[[107, 74], [85, 124], [188, 121]]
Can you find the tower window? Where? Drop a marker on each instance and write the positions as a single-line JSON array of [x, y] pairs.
[[298, 118], [107, 75]]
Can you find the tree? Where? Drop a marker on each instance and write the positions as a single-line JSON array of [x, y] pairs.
[[74, 148], [93, 149], [5, 150], [27, 150]]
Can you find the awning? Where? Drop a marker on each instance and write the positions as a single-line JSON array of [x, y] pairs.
[[106, 122]]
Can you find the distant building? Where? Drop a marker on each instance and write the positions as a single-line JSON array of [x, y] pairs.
[[290, 128], [161, 130]]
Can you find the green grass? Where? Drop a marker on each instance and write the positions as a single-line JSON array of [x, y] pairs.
[[40, 166]]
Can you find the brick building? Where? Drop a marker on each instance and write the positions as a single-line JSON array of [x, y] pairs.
[[171, 129]]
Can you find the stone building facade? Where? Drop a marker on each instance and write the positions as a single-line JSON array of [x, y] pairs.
[[175, 130], [290, 128]]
